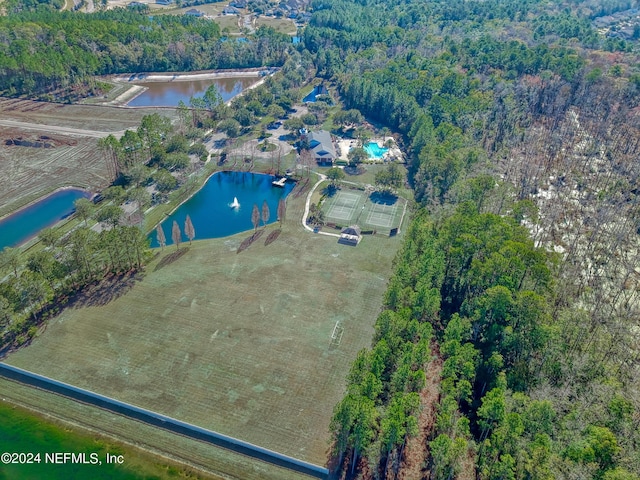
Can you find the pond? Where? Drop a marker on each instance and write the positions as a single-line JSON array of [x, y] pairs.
[[24, 224], [169, 93], [211, 210]]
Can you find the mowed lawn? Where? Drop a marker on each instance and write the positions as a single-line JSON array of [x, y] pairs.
[[238, 343]]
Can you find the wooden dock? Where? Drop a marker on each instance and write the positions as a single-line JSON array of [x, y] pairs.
[[280, 182]]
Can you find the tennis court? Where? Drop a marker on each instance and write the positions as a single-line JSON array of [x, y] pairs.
[[376, 212], [344, 207], [381, 215]]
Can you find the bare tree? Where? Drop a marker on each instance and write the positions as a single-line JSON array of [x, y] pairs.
[[189, 230], [282, 210], [176, 234], [255, 217], [162, 240], [265, 213]]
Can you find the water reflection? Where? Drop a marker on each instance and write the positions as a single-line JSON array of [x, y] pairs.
[[169, 93]]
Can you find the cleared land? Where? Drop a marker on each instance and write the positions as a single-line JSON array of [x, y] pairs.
[[238, 343], [74, 158]]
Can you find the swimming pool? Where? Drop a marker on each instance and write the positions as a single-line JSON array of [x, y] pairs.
[[375, 151]]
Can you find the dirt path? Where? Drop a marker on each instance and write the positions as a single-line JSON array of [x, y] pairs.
[[52, 128], [416, 450]]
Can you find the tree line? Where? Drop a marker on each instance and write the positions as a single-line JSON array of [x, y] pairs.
[[45, 52], [535, 338]]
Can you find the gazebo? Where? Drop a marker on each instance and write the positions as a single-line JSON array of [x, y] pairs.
[[351, 235]]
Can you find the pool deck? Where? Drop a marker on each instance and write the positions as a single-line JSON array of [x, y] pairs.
[[345, 144]]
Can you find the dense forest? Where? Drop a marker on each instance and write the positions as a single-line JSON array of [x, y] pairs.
[[518, 276], [515, 294], [44, 51]]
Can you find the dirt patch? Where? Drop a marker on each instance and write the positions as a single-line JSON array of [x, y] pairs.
[[39, 141], [73, 157], [416, 451]]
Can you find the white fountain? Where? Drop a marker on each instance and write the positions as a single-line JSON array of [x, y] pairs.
[[235, 203]]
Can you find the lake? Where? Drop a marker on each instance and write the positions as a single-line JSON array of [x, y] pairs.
[[24, 224], [169, 93], [210, 208]]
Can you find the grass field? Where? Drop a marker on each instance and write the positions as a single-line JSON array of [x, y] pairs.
[[282, 25], [23, 431], [238, 343], [195, 459]]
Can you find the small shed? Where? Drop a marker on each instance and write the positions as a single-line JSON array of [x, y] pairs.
[[350, 235]]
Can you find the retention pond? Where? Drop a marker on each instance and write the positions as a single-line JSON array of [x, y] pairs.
[[224, 205]]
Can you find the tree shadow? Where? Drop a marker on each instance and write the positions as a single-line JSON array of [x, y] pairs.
[[169, 259], [246, 243], [357, 170], [110, 288], [272, 237], [330, 190], [383, 198], [301, 187]]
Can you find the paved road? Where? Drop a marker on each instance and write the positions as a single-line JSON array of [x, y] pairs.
[[39, 127]]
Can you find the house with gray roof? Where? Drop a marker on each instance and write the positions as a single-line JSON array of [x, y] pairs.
[[321, 145]]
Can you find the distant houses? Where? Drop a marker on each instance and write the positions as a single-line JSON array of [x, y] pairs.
[[194, 12], [230, 10], [164, 2]]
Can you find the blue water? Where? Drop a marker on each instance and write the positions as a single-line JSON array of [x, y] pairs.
[[312, 96], [27, 223], [375, 151], [210, 210]]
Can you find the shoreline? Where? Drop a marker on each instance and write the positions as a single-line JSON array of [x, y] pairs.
[[137, 81], [44, 197], [187, 76]]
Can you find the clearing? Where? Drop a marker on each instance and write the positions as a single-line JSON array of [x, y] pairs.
[[239, 343], [73, 159]]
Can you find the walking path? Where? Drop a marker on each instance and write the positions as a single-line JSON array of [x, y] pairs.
[[307, 206]]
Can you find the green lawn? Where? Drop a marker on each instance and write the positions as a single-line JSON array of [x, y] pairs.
[[24, 432], [235, 342], [282, 25]]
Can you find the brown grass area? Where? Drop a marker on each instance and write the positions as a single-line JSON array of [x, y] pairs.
[[29, 173], [236, 343], [282, 25], [416, 450]]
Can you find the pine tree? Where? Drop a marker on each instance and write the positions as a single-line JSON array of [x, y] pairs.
[[189, 230], [282, 210], [176, 234], [255, 217], [265, 213], [162, 240]]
